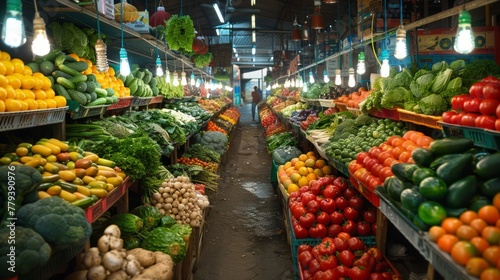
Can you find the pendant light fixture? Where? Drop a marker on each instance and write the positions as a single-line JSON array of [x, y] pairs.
[[296, 31], [192, 80], [326, 79], [160, 16], [401, 51], [124, 65], [167, 72], [361, 68], [100, 49], [464, 40], [304, 88], [159, 68], [351, 81], [338, 77], [338, 71], [40, 45], [305, 30], [183, 76], [13, 34], [311, 77], [385, 69], [175, 78], [317, 20]]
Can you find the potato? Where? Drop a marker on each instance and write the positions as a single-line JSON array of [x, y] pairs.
[[157, 271], [145, 257], [164, 258]]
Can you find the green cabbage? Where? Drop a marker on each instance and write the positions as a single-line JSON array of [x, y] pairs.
[[441, 81], [395, 98], [433, 104]]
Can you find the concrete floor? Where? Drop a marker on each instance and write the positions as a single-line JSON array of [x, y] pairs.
[[244, 235]]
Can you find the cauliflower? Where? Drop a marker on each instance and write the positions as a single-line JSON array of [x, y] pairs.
[[57, 221], [31, 251]]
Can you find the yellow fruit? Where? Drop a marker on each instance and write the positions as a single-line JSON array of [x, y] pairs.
[[2, 106], [3, 93], [27, 71], [40, 94], [14, 81], [318, 172], [295, 177], [327, 170], [60, 100], [18, 65], [292, 188], [32, 104], [38, 83], [20, 94], [51, 103], [287, 183], [299, 164], [12, 105], [24, 105], [5, 56], [29, 94], [3, 80], [50, 93], [311, 176], [27, 82], [11, 92], [41, 104], [303, 181], [303, 171], [303, 157], [311, 154], [320, 163], [3, 70], [47, 84], [9, 67], [310, 162]]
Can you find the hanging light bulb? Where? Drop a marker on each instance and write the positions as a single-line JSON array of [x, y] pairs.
[[326, 79], [287, 83], [338, 77], [40, 45], [361, 68], [197, 83], [352, 80], [13, 34], [219, 85], [304, 88], [159, 69], [385, 69], [311, 77], [253, 49], [192, 80], [301, 82], [101, 56], [292, 82], [464, 40], [167, 76], [124, 65], [183, 78], [175, 80], [400, 52]]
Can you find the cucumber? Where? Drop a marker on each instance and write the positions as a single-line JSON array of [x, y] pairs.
[[109, 100], [77, 96], [69, 187], [110, 91], [98, 101], [487, 167], [58, 73], [422, 156], [101, 92], [90, 85], [91, 77], [79, 66], [85, 202], [68, 70], [78, 78], [451, 146], [88, 96], [81, 86], [47, 67], [45, 186], [35, 67], [51, 56], [93, 96], [65, 83], [442, 159], [60, 90], [128, 223], [60, 59]]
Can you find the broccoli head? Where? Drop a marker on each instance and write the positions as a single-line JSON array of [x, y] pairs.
[[31, 251], [57, 221], [363, 119], [21, 182]]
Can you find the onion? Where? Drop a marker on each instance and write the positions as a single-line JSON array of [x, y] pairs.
[[165, 195], [184, 201], [162, 211], [177, 185], [181, 207], [175, 196], [169, 200], [164, 184], [156, 196], [161, 190]]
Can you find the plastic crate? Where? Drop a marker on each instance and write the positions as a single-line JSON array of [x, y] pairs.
[[94, 211], [77, 111], [327, 103], [157, 99], [274, 172], [341, 106], [355, 111], [141, 101], [425, 120], [413, 234], [31, 118], [484, 138], [392, 114], [365, 191], [123, 102]]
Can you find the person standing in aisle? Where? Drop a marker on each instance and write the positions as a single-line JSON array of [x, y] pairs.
[[256, 97]]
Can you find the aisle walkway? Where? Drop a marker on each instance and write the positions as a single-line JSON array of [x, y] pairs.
[[245, 237]]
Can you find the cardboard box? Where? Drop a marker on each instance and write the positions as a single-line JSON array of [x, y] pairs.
[[142, 24], [107, 8]]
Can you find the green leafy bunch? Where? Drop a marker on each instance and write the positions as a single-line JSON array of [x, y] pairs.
[[179, 33]]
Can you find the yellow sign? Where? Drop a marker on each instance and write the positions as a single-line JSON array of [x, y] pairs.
[[440, 41]]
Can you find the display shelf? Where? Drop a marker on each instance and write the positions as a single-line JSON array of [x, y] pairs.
[[123, 102], [342, 168], [354, 111], [77, 111], [392, 114], [327, 103], [364, 190], [94, 211], [157, 99], [31, 118], [425, 120], [141, 101], [484, 138], [404, 225], [341, 106]]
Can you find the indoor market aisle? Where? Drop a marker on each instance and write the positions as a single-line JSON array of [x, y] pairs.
[[244, 235]]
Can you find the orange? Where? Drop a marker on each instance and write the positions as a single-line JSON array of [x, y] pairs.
[[309, 169], [287, 165], [287, 183], [496, 201], [14, 81], [311, 154], [435, 232], [12, 105], [292, 188], [303, 181], [423, 141], [451, 224], [446, 242], [320, 163], [299, 164], [489, 214], [478, 224], [463, 251], [295, 177], [41, 104], [3, 81], [32, 104], [405, 156], [466, 232], [310, 162], [467, 216], [491, 234], [492, 255], [490, 274], [311, 176], [476, 265], [5, 56], [18, 65], [498, 223], [318, 172], [303, 157], [2, 106], [51, 103], [293, 161], [327, 170], [480, 243], [303, 171]]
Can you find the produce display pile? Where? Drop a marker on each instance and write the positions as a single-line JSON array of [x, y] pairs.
[[140, 82]]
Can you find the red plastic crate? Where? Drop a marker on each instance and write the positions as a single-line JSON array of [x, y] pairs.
[[94, 211], [123, 102], [392, 114], [156, 99]]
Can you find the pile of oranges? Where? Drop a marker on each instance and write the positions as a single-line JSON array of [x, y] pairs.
[[473, 240], [22, 90], [301, 170]]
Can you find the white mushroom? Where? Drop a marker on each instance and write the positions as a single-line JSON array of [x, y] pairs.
[[113, 230], [91, 257], [112, 260], [117, 275], [103, 243], [96, 273], [133, 266], [115, 243]]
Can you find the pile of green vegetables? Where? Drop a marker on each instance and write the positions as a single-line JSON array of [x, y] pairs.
[[280, 140], [424, 91], [316, 90], [196, 174], [202, 152], [193, 109], [169, 90]]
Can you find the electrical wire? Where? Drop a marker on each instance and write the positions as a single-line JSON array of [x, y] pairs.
[[373, 43], [121, 20]]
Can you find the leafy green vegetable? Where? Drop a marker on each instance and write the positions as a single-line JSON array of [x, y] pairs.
[[202, 152], [441, 80], [179, 33], [165, 240], [285, 153], [280, 140], [395, 98], [457, 66], [478, 69], [439, 66], [433, 104]]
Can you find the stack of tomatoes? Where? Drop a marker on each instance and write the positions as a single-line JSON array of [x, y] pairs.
[[343, 256], [327, 207], [480, 108]]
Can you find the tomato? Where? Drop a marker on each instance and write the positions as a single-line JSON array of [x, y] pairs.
[[340, 182], [355, 244], [376, 276], [337, 218], [376, 169], [318, 231], [363, 228], [365, 178], [334, 229], [384, 155], [342, 270], [351, 214], [374, 152], [349, 193], [340, 244], [307, 275], [314, 266], [457, 101], [305, 258], [491, 79], [323, 218], [370, 215], [376, 253], [306, 197], [341, 203], [346, 258], [331, 191], [307, 220], [447, 116], [374, 182], [469, 119], [488, 106], [313, 206], [353, 166], [300, 231], [356, 202], [358, 174], [349, 227], [385, 173], [370, 163], [303, 247], [497, 125], [487, 122], [315, 187], [476, 90], [361, 156], [359, 273], [457, 119], [326, 247], [472, 105], [374, 228], [327, 205], [492, 90]]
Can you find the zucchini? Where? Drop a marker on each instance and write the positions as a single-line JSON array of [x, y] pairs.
[[65, 83], [51, 56], [77, 96], [60, 59], [61, 91], [100, 193], [69, 187], [58, 73], [78, 78], [101, 92], [68, 70], [85, 202], [110, 91], [404, 171], [79, 66], [90, 85], [128, 223], [442, 159], [422, 156], [50, 178], [98, 101], [93, 96], [110, 100], [491, 187], [45, 186], [448, 146], [460, 193], [69, 197], [106, 162], [452, 171], [487, 167]]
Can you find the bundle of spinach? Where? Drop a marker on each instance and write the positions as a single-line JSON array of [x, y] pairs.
[[280, 140], [137, 155], [166, 121]]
